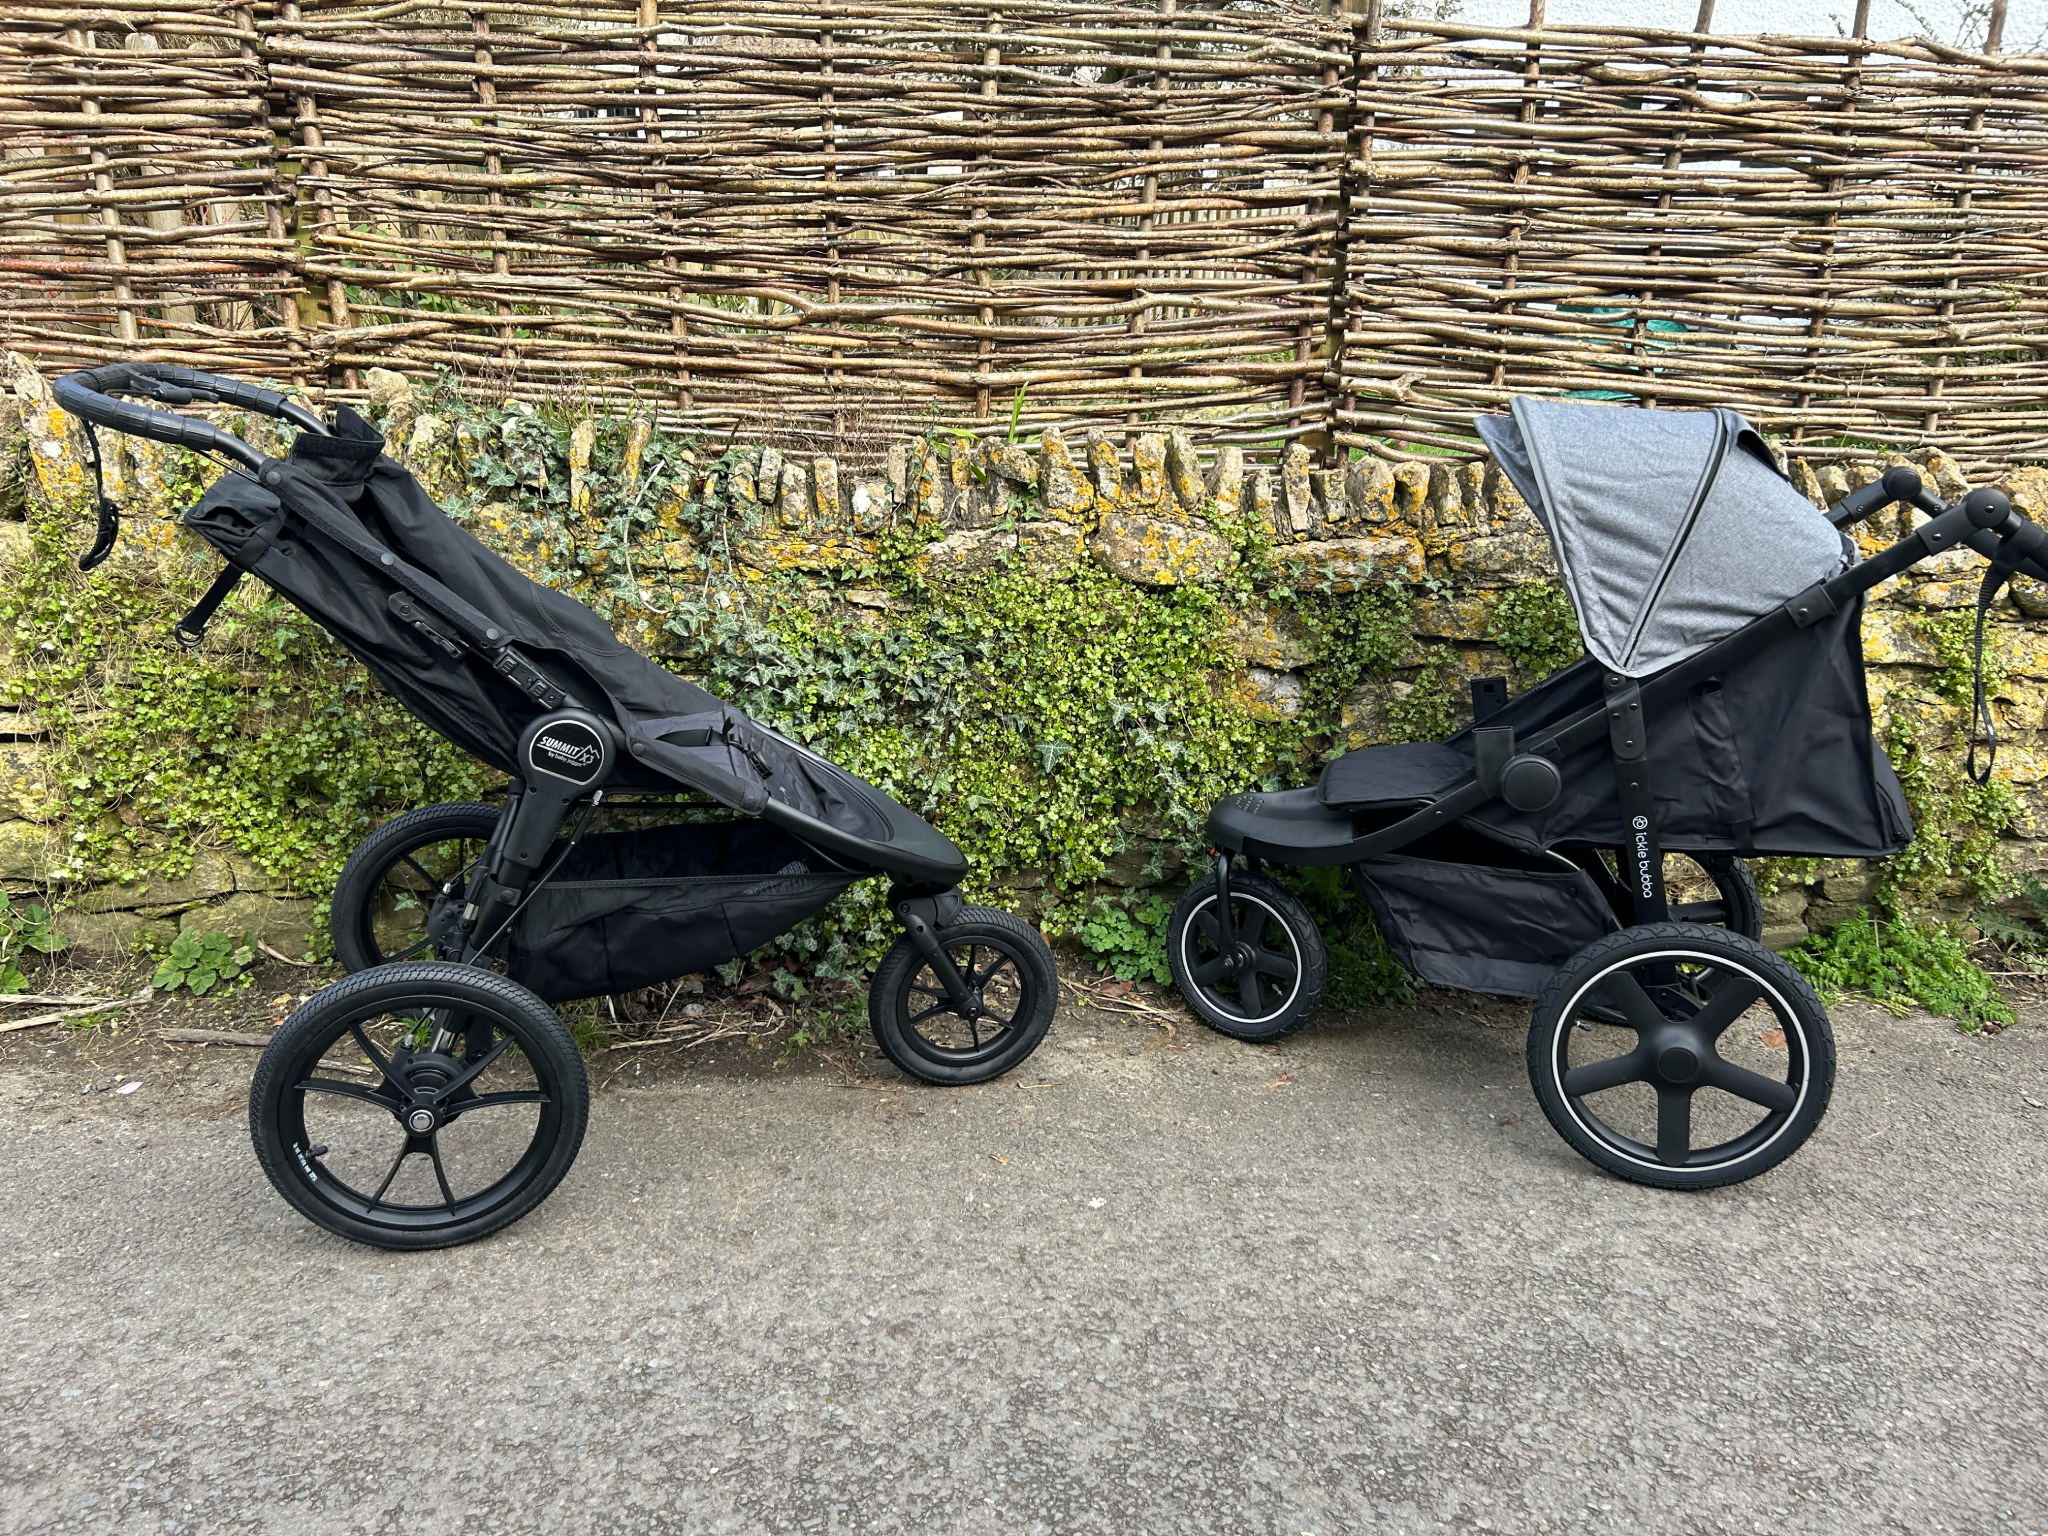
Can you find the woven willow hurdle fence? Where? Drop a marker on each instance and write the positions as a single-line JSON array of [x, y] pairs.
[[860, 216]]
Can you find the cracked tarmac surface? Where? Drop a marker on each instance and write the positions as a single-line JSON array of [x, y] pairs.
[[1145, 1284]]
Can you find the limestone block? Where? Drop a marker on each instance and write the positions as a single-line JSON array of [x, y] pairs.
[[27, 786], [793, 505], [1270, 636], [1848, 880], [1471, 478], [1184, 472], [582, 439], [1363, 717], [1296, 492], [1807, 484], [1834, 485], [1346, 565], [1464, 619], [970, 552], [1369, 492], [1332, 513], [1155, 553], [825, 504], [638, 431], [1106, 469], [1942, 472], [1062, 482], [1785, 906], [1265, 693], [1050, 550], [1822, 916], [1148, 465], [1505, 559], [211, 875], [1266, 511], [28, 851], [2028, 488], [388, 391], [1779, 937], [16, 545], [248, 877], [1014, 464], [1502, 504], [100, 935], [896, 469], [286, 925], [928, 490], [768, 477], [871, 502], [1226, 480], [1411, 494], [2029, 596], [1891, 638]]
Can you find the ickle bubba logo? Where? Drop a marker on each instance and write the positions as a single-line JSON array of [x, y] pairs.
[[1642, 830]]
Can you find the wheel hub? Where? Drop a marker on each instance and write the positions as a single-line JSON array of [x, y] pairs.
[[1239, 957], [1678, 1064], [420, 1120]]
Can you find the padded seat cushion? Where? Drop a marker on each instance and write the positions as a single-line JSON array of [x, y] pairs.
[[1412, 773]]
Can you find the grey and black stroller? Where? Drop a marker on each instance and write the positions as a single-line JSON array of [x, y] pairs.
[[436, 1096], [1720, 712]]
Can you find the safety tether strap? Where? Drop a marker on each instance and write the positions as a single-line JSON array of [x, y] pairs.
[[1995, 577], [191, 629], [109, 509]]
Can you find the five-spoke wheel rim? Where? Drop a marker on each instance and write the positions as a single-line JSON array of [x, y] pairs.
[[1716, 1071], [385, 1130], [1000, 999], [1256, 975]]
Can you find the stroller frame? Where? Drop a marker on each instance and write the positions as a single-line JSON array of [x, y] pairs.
[[599, 721]]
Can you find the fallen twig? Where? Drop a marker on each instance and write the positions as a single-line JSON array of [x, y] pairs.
[[103, 1006], [213, 1037], [49, 999], [304, 965]]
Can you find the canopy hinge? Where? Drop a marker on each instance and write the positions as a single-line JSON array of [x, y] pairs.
[[1813, 605]]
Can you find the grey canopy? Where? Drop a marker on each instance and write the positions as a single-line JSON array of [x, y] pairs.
[[1672, 528]]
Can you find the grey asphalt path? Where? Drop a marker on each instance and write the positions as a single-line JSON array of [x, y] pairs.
[[1144, 1285]]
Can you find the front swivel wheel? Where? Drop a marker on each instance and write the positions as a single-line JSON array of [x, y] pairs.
[[1260, 976], [1681, 1056], [1012, 988]]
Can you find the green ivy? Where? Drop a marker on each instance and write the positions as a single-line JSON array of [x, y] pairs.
[[1128, 939], [1537, 626]]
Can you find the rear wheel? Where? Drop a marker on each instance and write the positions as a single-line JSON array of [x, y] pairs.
[[1681, 1056], [419, 1105], [404, 884], [1715, 890], [1265, 979], [1008, 969]]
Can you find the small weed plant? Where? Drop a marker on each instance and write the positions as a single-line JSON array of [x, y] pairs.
[[24, 930], [1901, 961], [197, 963], [1363, 971], [1129, 939]]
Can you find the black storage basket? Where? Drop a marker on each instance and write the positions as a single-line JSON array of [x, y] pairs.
[[1464, 911], [632, 909]]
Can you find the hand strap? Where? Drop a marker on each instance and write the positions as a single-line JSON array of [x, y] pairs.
[[191, 629], [109, 509], [1995, 577]]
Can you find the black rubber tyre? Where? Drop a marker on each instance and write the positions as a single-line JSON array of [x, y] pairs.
[[390, 886], [1728, 1072], [1277, 981], [501, 1110], [1009, 966]]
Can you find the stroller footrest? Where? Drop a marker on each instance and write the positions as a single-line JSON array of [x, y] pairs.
[[1292, 827]]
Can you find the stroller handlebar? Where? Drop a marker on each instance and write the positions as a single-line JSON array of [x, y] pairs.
[[91, 394]]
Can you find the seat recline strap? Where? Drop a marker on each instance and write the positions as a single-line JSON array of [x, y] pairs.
[[190, 631]]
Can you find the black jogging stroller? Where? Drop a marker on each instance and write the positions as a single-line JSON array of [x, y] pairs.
[[1720, 712], [435, 1096]]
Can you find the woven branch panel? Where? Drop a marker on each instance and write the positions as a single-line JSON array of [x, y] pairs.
[[843, 221], [141, 213], [1849, 247], [903, 212]]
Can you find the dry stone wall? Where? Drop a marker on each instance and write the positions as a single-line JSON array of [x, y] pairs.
[[1157, 509]]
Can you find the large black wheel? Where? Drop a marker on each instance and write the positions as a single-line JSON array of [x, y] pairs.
[[1715, 890], [402, 888], [419, 1105], [1263, 981], [1008, 969], [1681, 1056]]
